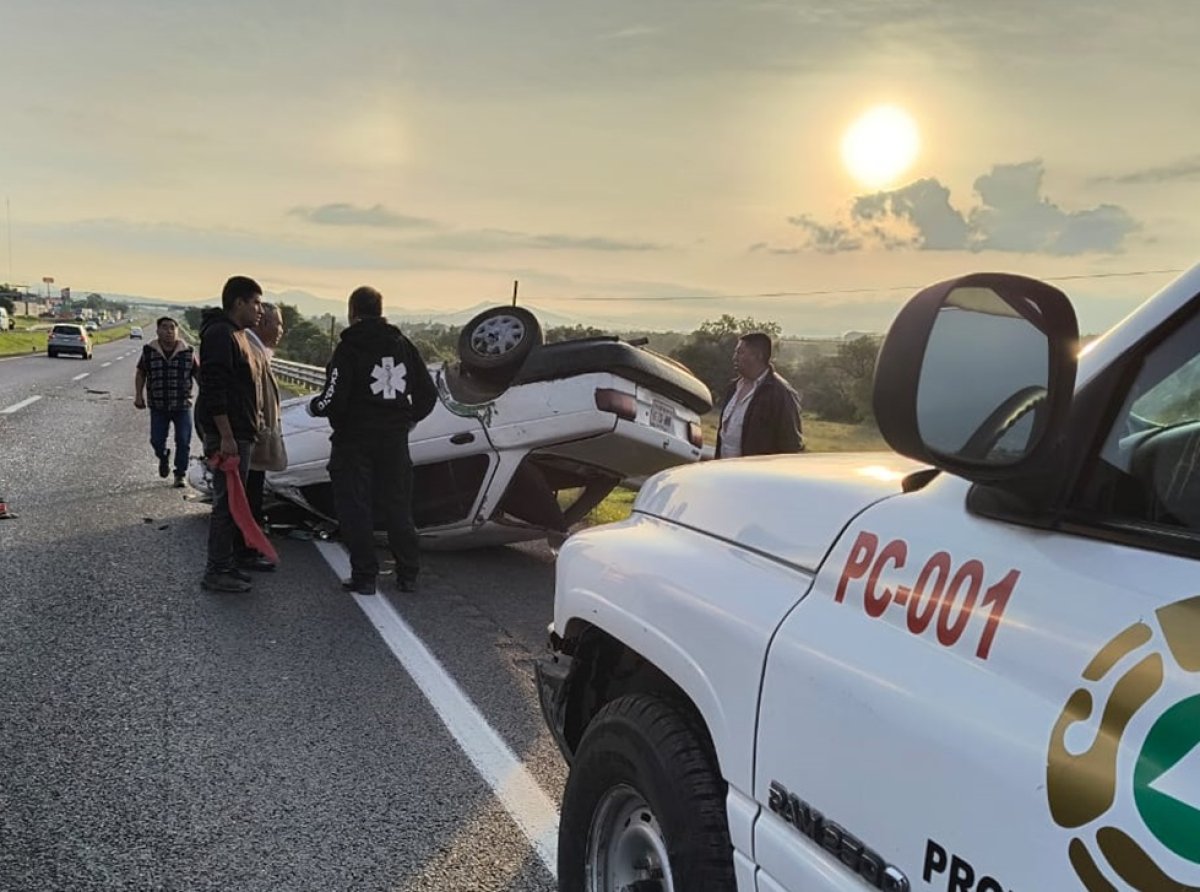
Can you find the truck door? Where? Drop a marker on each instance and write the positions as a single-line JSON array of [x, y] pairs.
[[968, 705]]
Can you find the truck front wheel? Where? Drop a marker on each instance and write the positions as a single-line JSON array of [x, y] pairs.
[[644, 807]]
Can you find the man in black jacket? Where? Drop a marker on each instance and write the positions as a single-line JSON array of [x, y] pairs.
[[376, 388], [761, 413], [227, 415]]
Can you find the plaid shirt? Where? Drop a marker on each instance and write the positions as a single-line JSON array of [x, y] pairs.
[[168, 379]]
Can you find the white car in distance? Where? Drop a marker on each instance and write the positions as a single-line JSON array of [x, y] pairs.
[[973, 666]]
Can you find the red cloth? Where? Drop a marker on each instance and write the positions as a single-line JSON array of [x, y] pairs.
[[239, 507]]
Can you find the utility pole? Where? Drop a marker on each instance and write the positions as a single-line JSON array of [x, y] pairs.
[[8, 209]]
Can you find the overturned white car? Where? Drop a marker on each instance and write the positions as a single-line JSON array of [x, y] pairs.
[[526, 437]]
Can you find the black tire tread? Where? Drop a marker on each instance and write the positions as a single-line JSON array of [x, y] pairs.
[[678, 737]]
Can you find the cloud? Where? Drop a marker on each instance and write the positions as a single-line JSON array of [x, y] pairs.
[[1012, 216], [1184, 169], [825, 239], [634, 31], [341, 214], [480, 240], [505, 240]]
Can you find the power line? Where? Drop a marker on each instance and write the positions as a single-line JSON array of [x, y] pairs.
[[834, 291]]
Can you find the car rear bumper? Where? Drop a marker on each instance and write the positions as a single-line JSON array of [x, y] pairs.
[[631, 451]]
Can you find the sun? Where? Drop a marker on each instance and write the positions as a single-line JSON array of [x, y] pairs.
[[880, 146]]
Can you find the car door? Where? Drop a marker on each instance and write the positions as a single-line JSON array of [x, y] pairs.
[[453, 460], [962, 703]]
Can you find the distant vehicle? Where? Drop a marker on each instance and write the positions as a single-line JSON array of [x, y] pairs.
[[6, 321], [92, 325], [135, 332], [526, 437], [67, 337]]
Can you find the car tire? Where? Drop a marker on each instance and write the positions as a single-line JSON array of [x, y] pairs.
[[51, 354], [644, 805], [498, 340]]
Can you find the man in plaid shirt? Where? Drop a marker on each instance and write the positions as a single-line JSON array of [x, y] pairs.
[[165, 372]]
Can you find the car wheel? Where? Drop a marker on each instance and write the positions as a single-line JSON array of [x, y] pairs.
[[51, 354], [499, 339], [644, 806]]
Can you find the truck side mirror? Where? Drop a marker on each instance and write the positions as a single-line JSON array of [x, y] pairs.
[[976, 374]]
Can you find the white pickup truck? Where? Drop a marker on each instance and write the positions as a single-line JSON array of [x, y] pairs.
[[971, 666]]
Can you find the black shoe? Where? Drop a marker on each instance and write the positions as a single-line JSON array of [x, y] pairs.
[[256, 562], [406, 585], [359, 586], [164, 464], [223, 582], [240, 574], [179, 484]]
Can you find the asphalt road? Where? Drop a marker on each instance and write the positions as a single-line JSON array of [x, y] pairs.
[[154, 736]]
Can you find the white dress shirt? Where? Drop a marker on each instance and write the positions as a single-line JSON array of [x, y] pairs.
[[734, 415]]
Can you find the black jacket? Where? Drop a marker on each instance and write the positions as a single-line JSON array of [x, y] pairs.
[[227, 378], [376, 383], [772, 423]]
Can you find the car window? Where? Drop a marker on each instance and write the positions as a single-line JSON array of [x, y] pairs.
[[1148, 471], [67, 329]]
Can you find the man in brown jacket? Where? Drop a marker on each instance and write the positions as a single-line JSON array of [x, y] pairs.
[[269, 453], [761, 412]]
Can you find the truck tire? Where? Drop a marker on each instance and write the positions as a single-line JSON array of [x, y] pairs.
[[644, 806], [497, 341]]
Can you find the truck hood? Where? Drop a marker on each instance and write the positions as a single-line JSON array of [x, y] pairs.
[[791, 507]]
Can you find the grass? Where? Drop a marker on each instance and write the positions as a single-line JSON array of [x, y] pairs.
[[20, 340], [819, 436]]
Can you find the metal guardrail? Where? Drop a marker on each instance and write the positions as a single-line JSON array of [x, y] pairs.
[[312, 376]]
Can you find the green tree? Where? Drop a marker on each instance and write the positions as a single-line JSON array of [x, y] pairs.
[[191, 318], [708, 351], [571, 333], [838, 387], [305, 340], [7, 303]]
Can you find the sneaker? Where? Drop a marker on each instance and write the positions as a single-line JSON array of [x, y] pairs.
[[240, 574], [359, 586], [179, 484], [223, 582], [164, 464], [408, 584]]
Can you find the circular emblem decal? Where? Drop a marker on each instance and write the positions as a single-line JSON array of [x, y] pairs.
[[1165, 782]]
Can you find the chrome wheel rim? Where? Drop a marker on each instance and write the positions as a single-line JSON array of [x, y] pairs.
[[626, 849], [497, 336]]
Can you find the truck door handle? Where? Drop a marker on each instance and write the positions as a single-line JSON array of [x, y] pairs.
[[462, 439]]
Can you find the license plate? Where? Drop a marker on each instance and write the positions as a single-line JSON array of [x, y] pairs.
[[662, 417]]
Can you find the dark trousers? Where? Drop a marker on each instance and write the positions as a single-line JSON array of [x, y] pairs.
[[254, 494], [366, 474], [255, 481], [221, 528], [160, 422]]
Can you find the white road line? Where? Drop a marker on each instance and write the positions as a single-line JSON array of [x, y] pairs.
[[509, 779], [105, 365], [17, 407], [81, 376]]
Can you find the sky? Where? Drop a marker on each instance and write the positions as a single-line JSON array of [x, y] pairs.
[[633, 163]]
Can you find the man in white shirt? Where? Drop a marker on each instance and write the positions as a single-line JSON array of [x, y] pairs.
[[761, 413]]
